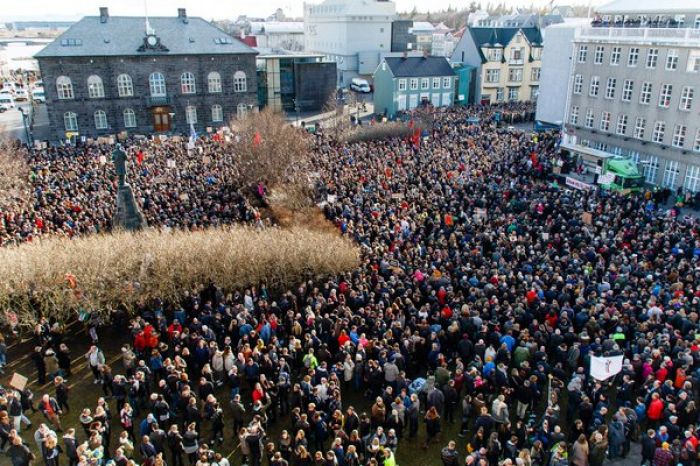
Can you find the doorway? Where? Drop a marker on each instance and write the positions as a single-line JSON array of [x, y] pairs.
[[161, 119]]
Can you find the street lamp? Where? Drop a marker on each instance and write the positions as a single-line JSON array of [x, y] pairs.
[[27, 135]]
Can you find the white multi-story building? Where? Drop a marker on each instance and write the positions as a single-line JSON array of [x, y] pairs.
[[633, 85], [353, 33], [286, 35]]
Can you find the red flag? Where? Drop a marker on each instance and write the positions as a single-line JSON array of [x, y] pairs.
[[257, 139], [416, 138], [533, 158], [139, 157]]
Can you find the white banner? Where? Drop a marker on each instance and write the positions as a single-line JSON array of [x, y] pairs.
[[604, 368]]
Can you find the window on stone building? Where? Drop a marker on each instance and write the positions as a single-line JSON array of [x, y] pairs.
[[96, 89], [129, 118], [70, 121], [240, 83], [187, 83], [217, 113], [101, 120], [156, 82], [191, 114], [125, 86], [214, 82], [64, 87]]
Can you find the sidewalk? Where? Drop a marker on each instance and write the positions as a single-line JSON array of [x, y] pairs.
[[310, 117]]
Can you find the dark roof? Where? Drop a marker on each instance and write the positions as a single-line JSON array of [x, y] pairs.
[[484, 36], [123, 35], [415, 67]]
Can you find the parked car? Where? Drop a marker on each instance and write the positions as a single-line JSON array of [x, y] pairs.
[[6, 100], [360, 85], [38, 95]]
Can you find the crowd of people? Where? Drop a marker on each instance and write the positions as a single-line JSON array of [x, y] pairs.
[[73, 189], [482, 296]]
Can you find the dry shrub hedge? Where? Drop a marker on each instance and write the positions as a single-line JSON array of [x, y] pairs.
[[378, 131], [58, 276]]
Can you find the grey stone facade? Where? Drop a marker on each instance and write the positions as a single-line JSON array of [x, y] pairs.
[[78, 69], [671, 159]]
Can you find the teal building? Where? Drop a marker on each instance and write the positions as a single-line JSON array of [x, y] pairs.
[[404, 83]]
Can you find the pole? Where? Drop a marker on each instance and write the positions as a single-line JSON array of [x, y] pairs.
[[26, 129]]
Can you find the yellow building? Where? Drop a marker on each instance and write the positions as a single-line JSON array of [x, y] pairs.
[[508, 61]]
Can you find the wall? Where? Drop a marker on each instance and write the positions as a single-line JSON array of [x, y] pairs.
[[315, 82], [466, 52], [384, 87], [139, 68], [556, 74], [401, 37]]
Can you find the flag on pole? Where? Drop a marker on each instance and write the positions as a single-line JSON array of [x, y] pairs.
[[416, 138], [604, 368], [193, 137], [257, 138]]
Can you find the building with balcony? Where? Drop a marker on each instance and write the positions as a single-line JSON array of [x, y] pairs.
[[352, 33], [109, 75], [404, 83], [507, 62], [633, 88]]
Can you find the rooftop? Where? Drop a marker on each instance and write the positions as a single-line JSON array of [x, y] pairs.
[[123, 35], [649, 6], [414, 67], [688, 37]]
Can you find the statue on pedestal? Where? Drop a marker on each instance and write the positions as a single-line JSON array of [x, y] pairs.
[[127, 215], [119, 158]]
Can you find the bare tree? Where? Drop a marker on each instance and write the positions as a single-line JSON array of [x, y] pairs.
[[336, 124], [14, 174], [270, 150]]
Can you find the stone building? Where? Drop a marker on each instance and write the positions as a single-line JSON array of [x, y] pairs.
[[107, 75]]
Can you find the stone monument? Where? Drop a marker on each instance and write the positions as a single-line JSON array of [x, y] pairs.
[[127, 214]]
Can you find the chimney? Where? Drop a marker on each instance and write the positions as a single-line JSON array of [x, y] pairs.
[[104, 14], [182, 14], [405, 55], [425, 54]]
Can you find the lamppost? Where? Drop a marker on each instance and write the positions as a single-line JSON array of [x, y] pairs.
[[297, 110], [27, 135]]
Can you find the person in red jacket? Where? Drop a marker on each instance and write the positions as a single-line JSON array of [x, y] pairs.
[[655, 411]]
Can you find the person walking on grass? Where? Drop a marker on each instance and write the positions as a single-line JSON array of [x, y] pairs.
[[96, 360], [432, 426]]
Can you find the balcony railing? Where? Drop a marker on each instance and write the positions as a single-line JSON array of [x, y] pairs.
[[157, 101], [686, 36]]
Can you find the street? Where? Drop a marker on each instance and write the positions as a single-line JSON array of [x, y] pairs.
[[11, 122]]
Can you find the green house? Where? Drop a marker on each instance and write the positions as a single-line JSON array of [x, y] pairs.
[[404, 83]]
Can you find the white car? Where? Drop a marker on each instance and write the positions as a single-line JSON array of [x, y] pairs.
[[360, 85]]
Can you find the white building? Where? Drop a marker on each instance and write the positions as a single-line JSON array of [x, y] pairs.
[[353, 33], [556, 69], [443, 41], [286, 35]]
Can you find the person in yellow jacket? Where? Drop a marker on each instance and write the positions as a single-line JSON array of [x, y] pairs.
[[389, 459]]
